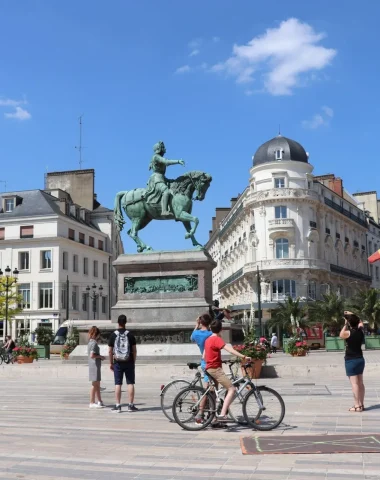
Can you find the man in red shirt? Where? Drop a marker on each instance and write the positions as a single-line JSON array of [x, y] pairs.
[[213, 356]]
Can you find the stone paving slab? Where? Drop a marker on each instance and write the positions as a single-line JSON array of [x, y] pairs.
[[48, 432]]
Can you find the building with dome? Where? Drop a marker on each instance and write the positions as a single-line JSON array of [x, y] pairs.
[[289, 233]]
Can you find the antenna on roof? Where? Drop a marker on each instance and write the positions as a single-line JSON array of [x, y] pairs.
[[279, 130], [5, 184], [79, 147]]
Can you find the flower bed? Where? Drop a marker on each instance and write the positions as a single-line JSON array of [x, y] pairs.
[[259, 355], [297, 347], [25, 354]]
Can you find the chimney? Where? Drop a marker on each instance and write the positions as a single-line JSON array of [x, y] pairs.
[[78, 183]]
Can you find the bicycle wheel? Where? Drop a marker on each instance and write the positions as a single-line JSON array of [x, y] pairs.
[[7, 358], [268, 417], [235, 411], [1, 359], [186, 407], [168, 395]]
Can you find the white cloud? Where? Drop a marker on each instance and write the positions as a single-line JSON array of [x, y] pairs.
[[216, 39], [319, 119], [8, 102], [328, 111], [183, 69], [19, 114], [196, 43], [281, 55], [194, 52]]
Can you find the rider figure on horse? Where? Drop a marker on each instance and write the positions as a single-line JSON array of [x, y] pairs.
[[158, 189]]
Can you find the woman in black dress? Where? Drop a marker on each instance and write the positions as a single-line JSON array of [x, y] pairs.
[[353, 333]]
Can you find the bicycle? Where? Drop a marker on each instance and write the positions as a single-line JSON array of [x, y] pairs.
[[257, 404], [171, 390]]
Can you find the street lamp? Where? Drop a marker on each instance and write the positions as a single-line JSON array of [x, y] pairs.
[[94, 296], [8, 285]]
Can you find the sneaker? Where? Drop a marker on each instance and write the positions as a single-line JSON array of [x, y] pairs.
[[95, 405], [199, 419], [101, 404], [132, 408], [116, 409]]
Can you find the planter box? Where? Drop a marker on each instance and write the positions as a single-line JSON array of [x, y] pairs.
[[372, 342], [43, 351], [334, 344], [21, 359], [255, 370], [285, 345]]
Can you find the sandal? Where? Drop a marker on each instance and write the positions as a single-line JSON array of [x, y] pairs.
[[357, 409], [222, 418]]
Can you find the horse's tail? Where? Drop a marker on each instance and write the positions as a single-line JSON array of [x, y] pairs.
[[118, 212]]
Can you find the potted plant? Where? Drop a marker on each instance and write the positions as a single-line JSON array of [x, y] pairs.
[[44, 338], [72, 341], [297, 347], [24, 352], [259, 355]]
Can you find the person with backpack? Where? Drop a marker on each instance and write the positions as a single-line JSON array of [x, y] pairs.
[[122, 355]]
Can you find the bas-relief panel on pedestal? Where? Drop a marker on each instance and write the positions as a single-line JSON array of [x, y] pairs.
[[169, 284]]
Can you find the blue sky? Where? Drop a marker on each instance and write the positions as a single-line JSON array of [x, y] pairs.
[[149, 70]]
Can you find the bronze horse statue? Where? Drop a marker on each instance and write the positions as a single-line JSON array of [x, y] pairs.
[[141, 211]]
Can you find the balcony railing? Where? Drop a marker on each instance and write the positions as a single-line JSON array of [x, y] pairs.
[[349, 273], [231, 278], [280, 223], [345, 212]]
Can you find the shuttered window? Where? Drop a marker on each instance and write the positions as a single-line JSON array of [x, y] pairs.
[[26, 232]]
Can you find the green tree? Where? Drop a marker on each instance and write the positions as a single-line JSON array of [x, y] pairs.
[[366, 304], [14, 300], [289, 315], [328, 312]]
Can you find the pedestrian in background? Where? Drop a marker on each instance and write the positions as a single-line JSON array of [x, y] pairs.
[[273, 343], [94, 367], [353, 333]]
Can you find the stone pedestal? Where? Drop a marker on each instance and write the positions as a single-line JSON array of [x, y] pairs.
[[162, 293]]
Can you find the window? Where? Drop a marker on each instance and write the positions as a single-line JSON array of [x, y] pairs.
[[371, 270], [283, 288], [279, 182], [9, 204], [75, 263], [2, 233], [26, 232], [370, 247], [84, 302], [71, 234], [282, 248], [91, 241], [23, 327], [46, 295], [46, 260], [74, 298], [278, 154], [312, 290], [65, 261], [85, 266], [100, 245], [377, 273], [81, 238], [64, 297], [24, 291], [104, 304], [23, 261], [105, 270], [280, 212], [95, 268]]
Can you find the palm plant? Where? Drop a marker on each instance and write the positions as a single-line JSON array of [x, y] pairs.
[[329, 312], [366, 304], [289, 315]]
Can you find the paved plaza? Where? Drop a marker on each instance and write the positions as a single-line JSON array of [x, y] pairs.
[[48, 432]]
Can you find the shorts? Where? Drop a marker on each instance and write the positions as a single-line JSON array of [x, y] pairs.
[[354, 366], [203, 367], [219, 376], [124, 368]]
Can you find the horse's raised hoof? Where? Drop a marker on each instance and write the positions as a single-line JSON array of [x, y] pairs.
[[140, 249], [188, 235]]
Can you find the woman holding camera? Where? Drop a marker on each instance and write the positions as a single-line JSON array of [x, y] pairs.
[[353, 333]]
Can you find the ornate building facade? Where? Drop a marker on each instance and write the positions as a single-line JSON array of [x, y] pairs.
[[305, 235]]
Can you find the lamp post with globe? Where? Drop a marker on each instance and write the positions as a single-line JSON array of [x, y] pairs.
[[94, 296]]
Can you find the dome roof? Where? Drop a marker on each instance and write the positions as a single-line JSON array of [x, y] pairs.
[[280, 149]]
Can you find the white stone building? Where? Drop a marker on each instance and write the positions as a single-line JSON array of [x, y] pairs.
[[306, 235], [60, 247]]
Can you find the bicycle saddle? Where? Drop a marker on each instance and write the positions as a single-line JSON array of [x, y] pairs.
[[193, 366]]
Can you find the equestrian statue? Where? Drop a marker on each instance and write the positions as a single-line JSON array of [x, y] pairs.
[[163, 199]]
